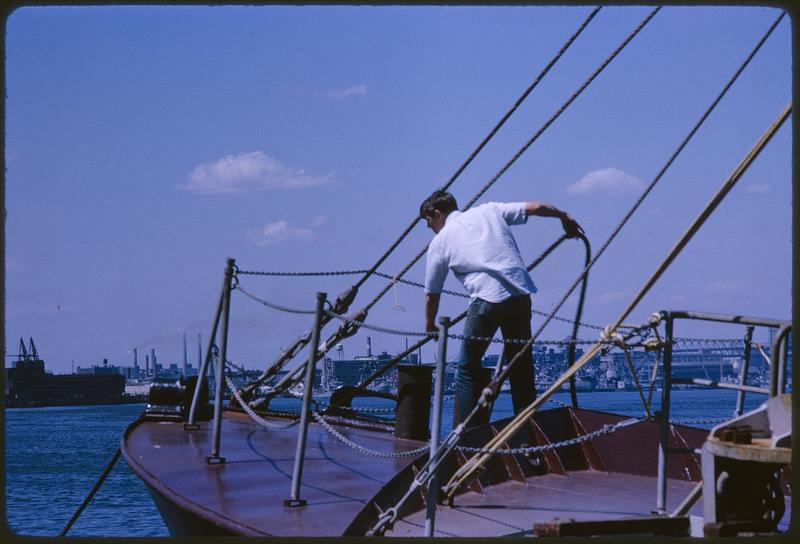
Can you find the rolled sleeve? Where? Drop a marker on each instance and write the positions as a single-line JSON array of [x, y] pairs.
[[512, 212]]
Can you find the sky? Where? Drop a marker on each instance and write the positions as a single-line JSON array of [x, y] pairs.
[[146, 145]]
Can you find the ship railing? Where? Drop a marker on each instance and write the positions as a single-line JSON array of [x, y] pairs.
[[778, 362]]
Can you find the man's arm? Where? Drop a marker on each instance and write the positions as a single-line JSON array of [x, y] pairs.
[[431, 309], [571, 227]]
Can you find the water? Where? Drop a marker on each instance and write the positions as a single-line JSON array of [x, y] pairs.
[[55, 455]]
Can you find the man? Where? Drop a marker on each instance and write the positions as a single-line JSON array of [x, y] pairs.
[[477, 245]]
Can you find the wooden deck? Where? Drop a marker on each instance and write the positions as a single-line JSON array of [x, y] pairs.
[[511, 508], [244, 495]]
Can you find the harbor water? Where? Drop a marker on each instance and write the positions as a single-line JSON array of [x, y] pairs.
[[55, 455]]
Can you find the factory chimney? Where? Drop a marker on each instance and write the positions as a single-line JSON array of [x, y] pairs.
[[199, 353], [135, 358], [146, 365], [185, 362], [153, 357], [369, 346]]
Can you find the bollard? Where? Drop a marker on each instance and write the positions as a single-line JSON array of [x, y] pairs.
[[413, 401]]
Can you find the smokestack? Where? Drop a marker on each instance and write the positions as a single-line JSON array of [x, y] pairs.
[[135, 358], [146, 365], [369, 346], [199, 353], [153, 357], [185, 362]]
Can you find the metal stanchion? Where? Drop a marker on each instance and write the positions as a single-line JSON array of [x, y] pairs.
[[748, 340], [436, 425], [663, 445], [294, 499], [201, 373], [215, 458]]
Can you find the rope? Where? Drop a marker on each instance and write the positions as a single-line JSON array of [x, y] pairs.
[[522, 150], [658, 176], [472, 156], [92, 493], [422, 342], [467, 469]]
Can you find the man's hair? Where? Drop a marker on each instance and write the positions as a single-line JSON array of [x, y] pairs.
[[439, 200]]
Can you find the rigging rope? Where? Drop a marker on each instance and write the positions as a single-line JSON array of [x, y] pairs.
[[422, 342], [92, 493], [527, 145], [477, 150], [658, 177], [468, 469], [304, 339]]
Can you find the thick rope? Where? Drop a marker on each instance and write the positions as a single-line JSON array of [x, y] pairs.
[[476, 151], [527, 145], [454, 177], [653, 183], [92, 493], [476, 461], [364, 383]]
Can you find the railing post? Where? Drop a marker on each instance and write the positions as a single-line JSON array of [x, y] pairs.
[[201, 373], [294, 499], [748, 339], [436, 424], [214, 458], [663, 444], [776, 371]]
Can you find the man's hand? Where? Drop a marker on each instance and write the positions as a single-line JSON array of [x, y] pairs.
[[571, 227]]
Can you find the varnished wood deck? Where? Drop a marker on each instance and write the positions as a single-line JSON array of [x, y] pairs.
[[245, 494], [511, 508]]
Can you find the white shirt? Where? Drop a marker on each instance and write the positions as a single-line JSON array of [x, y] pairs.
[[477, 245]]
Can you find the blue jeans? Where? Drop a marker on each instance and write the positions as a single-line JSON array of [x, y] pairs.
[[513, 317]]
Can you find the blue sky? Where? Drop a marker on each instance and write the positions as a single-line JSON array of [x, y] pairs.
[[145, 145]]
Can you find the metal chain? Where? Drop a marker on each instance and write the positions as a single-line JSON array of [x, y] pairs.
[[698, 421], [461, 336], [362, 449], [380, 274], [254, 416], [605, 429], [272, 304], [324, 273]]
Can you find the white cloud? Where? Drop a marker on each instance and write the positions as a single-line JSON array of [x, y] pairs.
[[347, 92], [254, 171], [607, 180], [280, 232], [757, 188]]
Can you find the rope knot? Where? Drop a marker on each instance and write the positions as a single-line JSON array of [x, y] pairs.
[[609, 336]]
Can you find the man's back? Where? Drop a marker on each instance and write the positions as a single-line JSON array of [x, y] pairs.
[[478, 246]]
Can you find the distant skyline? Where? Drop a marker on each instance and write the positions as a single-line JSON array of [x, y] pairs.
[[144, 145]]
